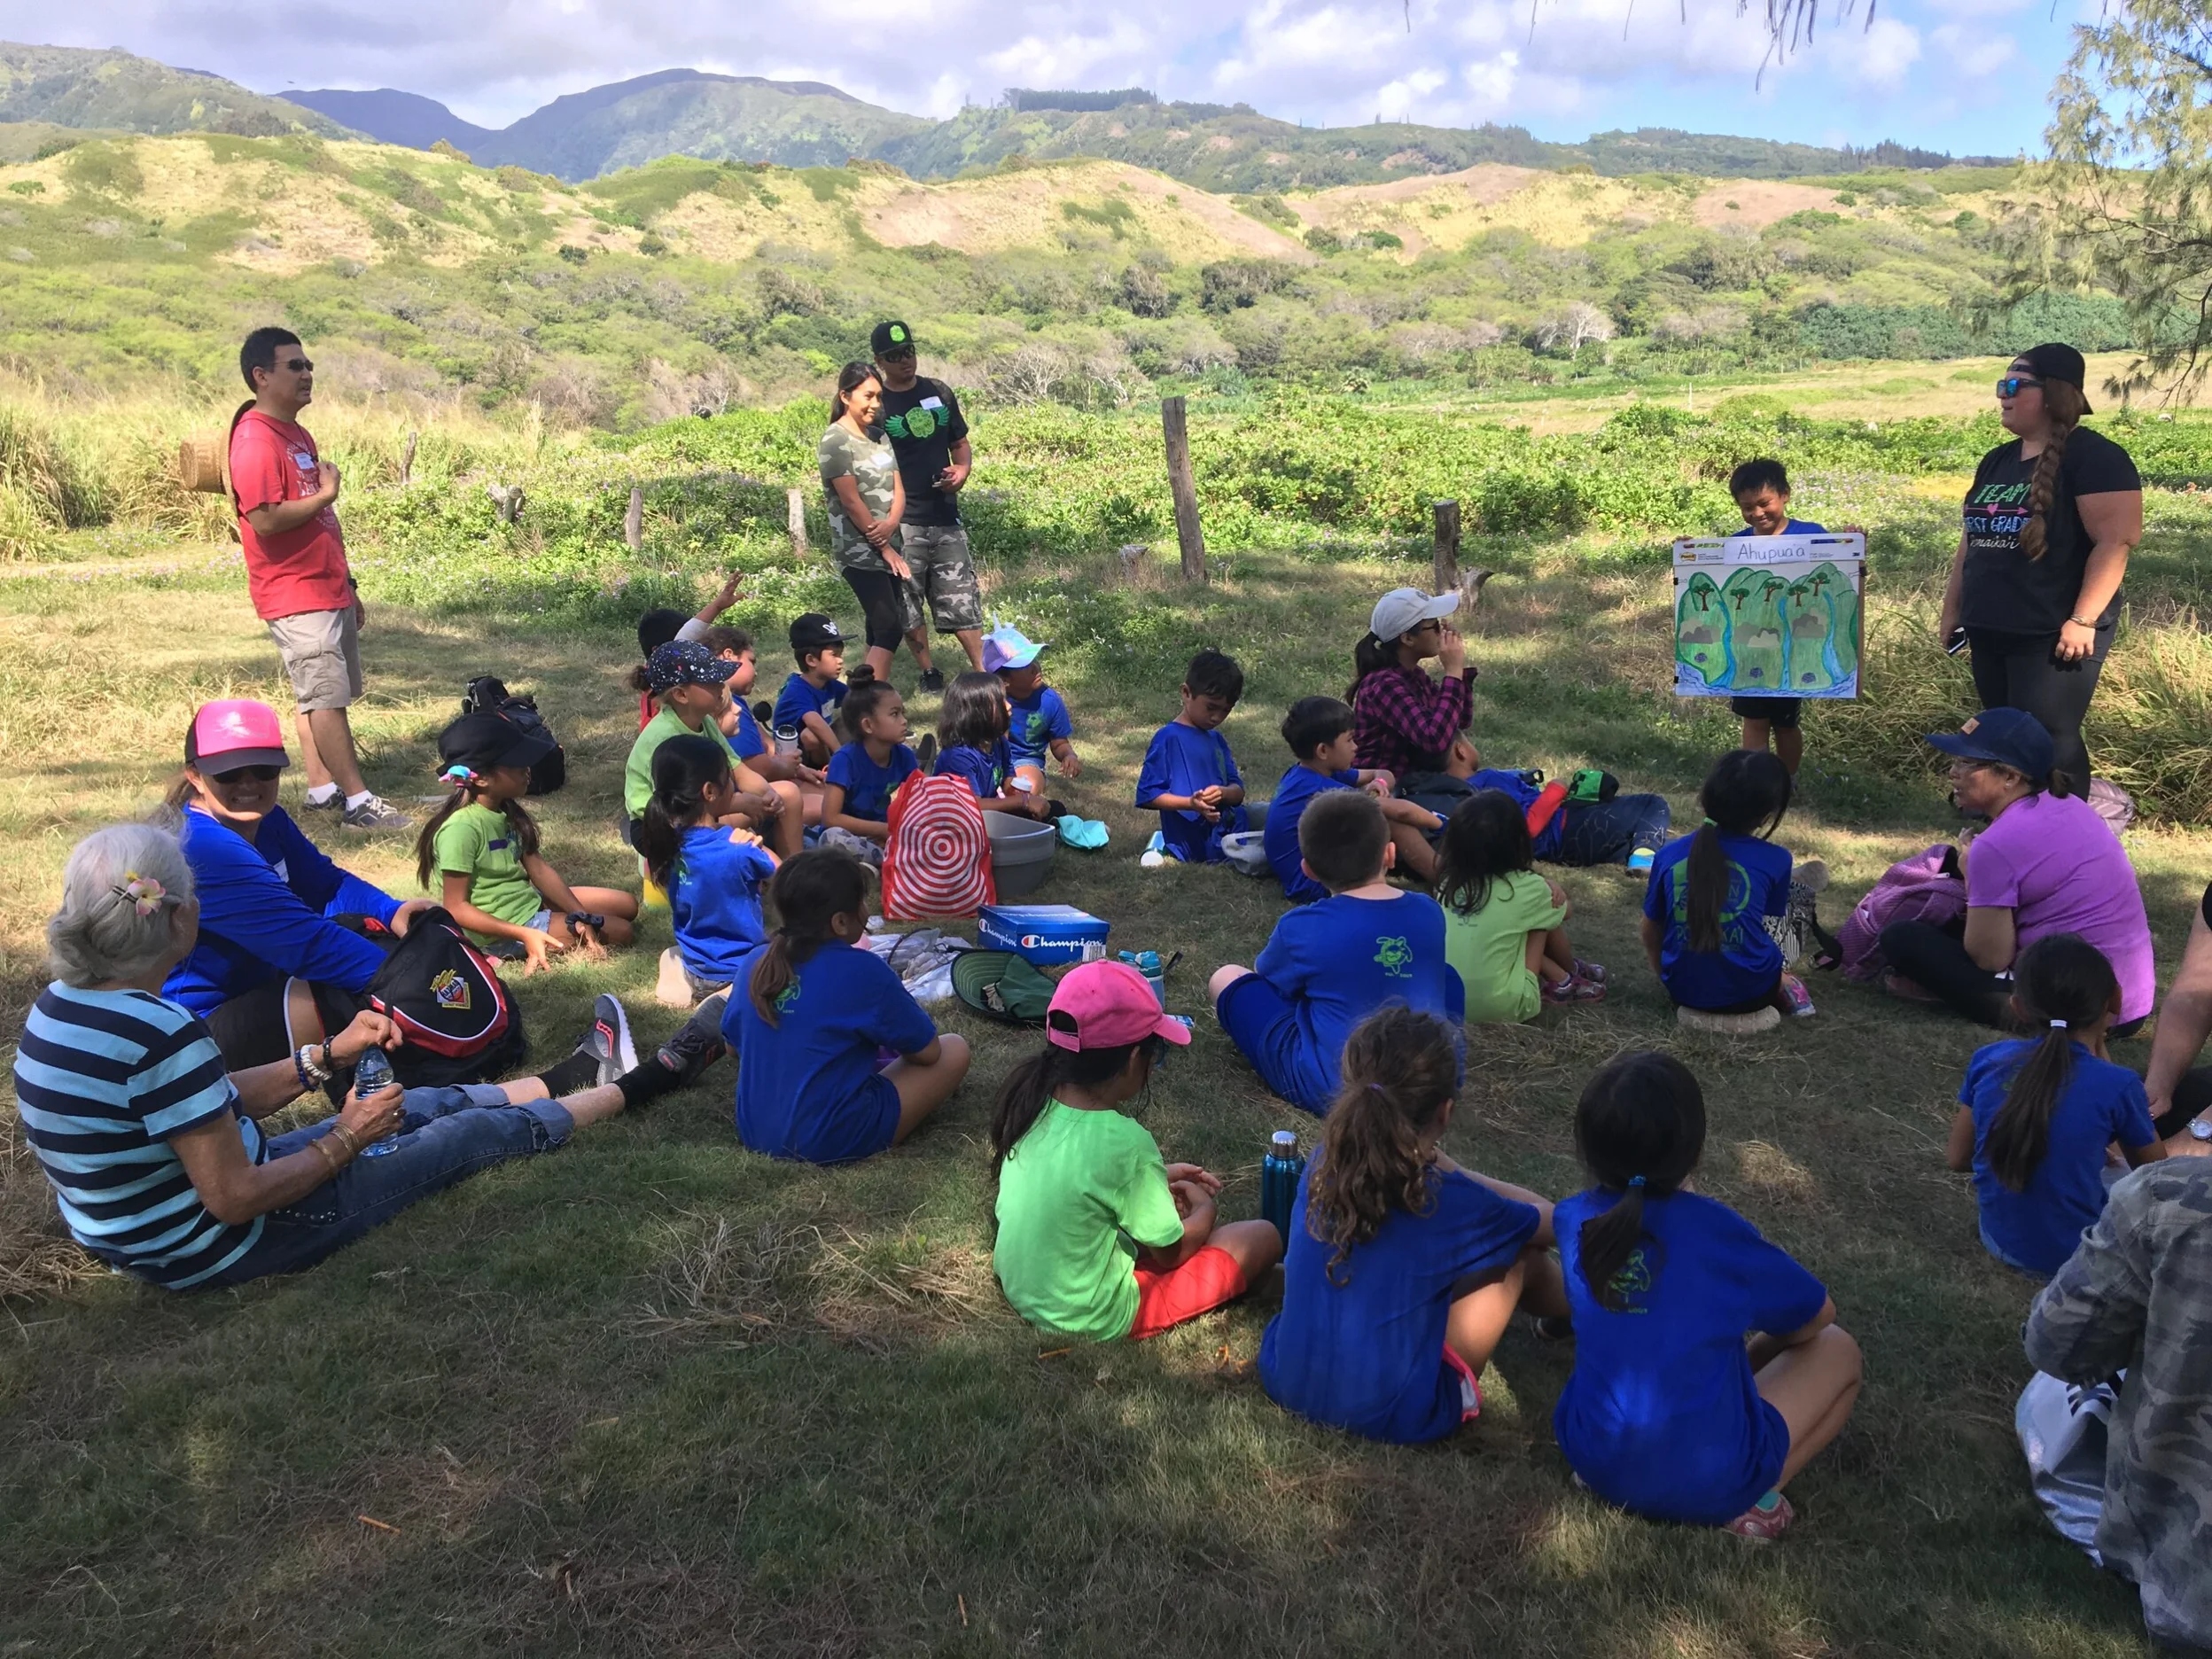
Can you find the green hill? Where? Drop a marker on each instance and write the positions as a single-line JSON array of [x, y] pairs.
[[125, 93]]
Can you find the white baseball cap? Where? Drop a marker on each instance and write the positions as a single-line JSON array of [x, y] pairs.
[[1403, 609]]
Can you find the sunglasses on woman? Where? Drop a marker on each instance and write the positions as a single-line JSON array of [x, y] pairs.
[[2011, 384], [236, 776]]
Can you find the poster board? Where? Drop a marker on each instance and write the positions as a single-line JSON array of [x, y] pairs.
[[1770, 616]]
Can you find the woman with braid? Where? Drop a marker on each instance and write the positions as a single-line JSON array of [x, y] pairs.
[[2050, 521]]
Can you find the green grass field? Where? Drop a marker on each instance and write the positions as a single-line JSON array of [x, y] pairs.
[[654, 1395]]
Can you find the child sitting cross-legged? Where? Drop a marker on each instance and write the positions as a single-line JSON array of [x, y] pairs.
[[711, 873], [1189, 777], [1670, 1412], [1098, 1238], [1038, 715], [1403, 1269], [692, 687], [2036, 1115], [1319, 731], [1504, 925], [1704, 926], [808, 1017], [1332, 964], [863, 775], [810, 697], [483, 844], [972, 724], [747, 742]]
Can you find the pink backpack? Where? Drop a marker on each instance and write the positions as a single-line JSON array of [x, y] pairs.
[[937, 860], [1923, 888]]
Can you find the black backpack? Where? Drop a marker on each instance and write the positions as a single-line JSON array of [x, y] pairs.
[[460, 1023], [486, 694]]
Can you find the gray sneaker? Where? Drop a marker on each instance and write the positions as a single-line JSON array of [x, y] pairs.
[[376, 813], [333, 803], [609, 1040]]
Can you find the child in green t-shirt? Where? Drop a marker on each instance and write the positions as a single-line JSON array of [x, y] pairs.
[[483, 845], [1098, 1238], [1504, 924], [691, 685]]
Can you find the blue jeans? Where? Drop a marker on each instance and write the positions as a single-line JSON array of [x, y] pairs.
[[445, 1136], [1610, 831]]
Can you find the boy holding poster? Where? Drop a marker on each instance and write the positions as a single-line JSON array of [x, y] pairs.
[[1762, 491]]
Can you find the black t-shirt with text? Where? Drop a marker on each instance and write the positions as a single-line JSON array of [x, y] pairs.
[[2003, 591], [923, 422]]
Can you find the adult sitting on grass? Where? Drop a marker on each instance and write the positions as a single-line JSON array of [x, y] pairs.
[[2047, 864], [2180, 1090], [1404, 722], [272, 969], [153, 1145]]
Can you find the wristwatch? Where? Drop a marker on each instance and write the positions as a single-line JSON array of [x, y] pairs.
[[2200, 1128]]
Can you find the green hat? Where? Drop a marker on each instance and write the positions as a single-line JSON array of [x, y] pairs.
[[1001, 985]]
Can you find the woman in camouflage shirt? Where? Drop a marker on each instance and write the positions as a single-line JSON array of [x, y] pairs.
[[860, 476]]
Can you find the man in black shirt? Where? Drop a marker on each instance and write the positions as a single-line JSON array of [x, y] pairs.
[[921, 418]]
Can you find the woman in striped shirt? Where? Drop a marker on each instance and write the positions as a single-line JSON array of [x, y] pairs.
[[156, 1154]]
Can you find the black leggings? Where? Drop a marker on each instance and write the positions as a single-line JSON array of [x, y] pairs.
[[2018, 671], [1934, 958], [882, 604]]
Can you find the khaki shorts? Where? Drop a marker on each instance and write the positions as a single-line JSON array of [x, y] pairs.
[[322, 653], [946, 573]]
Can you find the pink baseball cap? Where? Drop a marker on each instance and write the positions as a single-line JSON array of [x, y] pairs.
[[1106, 1004], [232, 733]]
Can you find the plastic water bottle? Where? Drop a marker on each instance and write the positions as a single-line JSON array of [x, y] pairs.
[[1147, 963], [787, 739], [371, 1073], [1279, 1173]]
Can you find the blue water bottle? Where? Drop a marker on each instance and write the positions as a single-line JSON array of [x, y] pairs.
[[372, 1072], [1147, 963], [1279, 1173]]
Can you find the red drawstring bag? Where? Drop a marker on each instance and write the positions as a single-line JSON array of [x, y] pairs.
[[938, 862]]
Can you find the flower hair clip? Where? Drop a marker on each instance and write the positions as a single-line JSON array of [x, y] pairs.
[[458, 776], [143, 894]]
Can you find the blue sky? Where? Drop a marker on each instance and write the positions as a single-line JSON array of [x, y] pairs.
[[1970, 76]]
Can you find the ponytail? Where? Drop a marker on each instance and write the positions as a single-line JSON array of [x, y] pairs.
[[1031, 1085], [2064, 983], [522, 825], [682, 767], [1746, 793], [1640, 1130], [1369, 656], [2066, 404], [1400, 1069], [809, 892]]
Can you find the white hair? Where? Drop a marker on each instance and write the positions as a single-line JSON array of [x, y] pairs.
[[98, 933]]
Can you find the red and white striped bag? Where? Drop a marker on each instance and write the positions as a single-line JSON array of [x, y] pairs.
[[937, 860]]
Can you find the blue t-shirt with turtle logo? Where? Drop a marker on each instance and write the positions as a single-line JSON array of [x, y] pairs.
[[1748, 961]]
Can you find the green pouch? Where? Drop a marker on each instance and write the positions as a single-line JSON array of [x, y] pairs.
[[1590, 787], [1002, 986]]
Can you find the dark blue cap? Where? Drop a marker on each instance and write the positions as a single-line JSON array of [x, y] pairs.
[[2008, 737], [685, 662]]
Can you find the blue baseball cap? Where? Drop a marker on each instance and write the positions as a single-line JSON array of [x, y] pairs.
[[685, 662], [2006, 737], [1007, 647]]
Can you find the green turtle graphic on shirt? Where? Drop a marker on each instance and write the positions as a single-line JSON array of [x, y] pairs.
[[1396, 957], [1700, 630], [787, 997], [1755, 642]]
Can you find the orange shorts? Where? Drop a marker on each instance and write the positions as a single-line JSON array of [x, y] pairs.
[[1201, 1284]]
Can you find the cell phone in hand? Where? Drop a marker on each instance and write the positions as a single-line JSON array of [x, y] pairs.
[[1955, 643]]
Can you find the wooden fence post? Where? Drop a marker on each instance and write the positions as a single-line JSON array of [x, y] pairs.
[[406, 461], [1447, 571], [634, 519], [1188, 536], [795, 514]]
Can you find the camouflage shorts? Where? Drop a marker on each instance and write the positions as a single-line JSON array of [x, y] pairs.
[[945, 574]]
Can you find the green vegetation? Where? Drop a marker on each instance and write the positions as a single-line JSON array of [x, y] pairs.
[[70, 88]]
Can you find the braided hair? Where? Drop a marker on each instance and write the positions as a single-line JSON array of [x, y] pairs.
[[2065, 403]]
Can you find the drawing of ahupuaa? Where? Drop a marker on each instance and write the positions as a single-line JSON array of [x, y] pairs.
[[1700, 630], [1754, 599], [1824, 630]]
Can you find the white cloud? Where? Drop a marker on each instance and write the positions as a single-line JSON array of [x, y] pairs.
[[1880, 55]]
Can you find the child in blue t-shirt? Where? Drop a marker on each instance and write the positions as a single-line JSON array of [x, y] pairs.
[[1329, 965], [1762, 491], [1318, 732], [864, 774], [808, 1017], [1704, 926], [1189, 777], [1668, 1411], [811, 697], [1389, 1311], [2035, 1115], [1038, 723], [747, 741], [711, 873], [971, 725]]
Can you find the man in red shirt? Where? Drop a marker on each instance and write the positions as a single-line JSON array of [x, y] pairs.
[[296, 571]]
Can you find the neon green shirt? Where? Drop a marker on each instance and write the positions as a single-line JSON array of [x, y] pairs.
[[1079, 1196], [479, 844], [637, 771], [1488, 948]]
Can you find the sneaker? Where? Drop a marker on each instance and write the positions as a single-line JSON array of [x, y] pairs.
[[1800, 997], [931, 680], [1154, 853], [335, 801], [1595, 972], [376, 813], [609, 1040], [697, 1043], [1764, 1521], [1575, 988], [1640, 860], [673, 988]]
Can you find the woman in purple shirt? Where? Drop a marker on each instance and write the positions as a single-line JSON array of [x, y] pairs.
[[1403, 722], [2047, 864]]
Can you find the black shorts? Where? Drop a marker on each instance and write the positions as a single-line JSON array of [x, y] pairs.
[[1775, 711], [254, 1027], [884, 604]]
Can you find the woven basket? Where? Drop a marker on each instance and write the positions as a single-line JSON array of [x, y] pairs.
[[199, 465]]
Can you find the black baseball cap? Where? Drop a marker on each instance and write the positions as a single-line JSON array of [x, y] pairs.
[[2007, 736], [815, 632], [891, 339], [484, 742], [2057, 362]]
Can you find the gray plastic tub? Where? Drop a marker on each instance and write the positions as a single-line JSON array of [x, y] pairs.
[[1021, 852]]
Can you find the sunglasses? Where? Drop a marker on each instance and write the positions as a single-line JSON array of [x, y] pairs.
[[2010, 384], [238, 775]]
